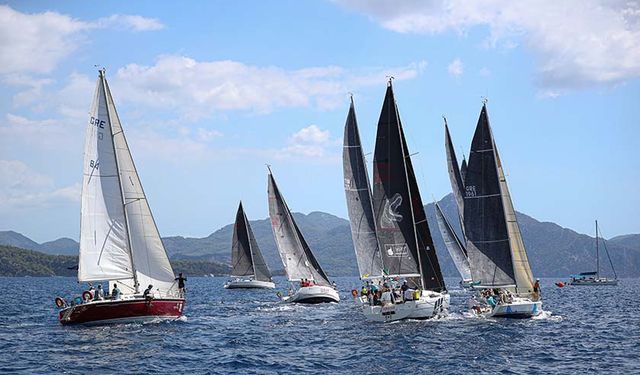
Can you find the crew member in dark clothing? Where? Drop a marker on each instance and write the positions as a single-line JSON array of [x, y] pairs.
[[148, 292], [536, 290], [181, 280]]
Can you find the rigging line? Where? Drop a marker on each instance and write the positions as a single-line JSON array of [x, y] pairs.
[[604, 243]]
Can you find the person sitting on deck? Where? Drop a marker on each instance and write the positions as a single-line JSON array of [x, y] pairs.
[[364, 291], [99, 293], [148, 293], [408, 294], [404, 286], [386, 298], [491, 301], [115, 293]]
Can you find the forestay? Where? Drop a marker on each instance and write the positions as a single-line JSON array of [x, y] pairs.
[[299, 262], [359, 203]]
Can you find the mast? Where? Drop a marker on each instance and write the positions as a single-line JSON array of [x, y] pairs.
[[597, 254], [124, 209]]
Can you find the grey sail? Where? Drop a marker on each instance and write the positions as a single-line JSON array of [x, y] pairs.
[[246, 259], [488, 244], [455, 177], [454, 245], [359, 202], [392, 198], [297, 258], [260, 269]]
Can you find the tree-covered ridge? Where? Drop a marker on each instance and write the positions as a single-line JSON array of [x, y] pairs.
[[15, 261]]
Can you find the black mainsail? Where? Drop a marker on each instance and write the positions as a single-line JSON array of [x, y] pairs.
[[299, 262], [403, 232], [359, 201], [246, 258], [494, 244]]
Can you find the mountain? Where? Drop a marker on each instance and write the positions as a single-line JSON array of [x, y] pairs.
[[11, 238], [22, 262], [552, 249]]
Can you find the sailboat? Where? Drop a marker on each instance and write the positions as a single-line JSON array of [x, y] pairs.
[[389, 227], [497, 255], [593, 277], [119, 240], [248, 266], [299, 262]]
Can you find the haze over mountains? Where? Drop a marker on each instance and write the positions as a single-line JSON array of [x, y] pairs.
[[552, 249]]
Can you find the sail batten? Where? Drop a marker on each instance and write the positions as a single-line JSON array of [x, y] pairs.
[[359, 202], [297, 258]]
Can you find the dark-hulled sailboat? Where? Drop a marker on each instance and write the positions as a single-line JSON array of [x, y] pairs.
[[497, 255], [391, 234], [308, 281], [249, 269]]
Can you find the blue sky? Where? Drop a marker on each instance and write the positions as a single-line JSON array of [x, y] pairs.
[[209, 92]]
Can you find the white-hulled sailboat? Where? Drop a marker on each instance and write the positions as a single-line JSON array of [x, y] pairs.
[[308, 281], [389, 226], [593, 277], [497, 255], [119, 240], [249, 269]]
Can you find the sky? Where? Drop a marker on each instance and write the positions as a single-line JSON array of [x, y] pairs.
[[210, 92]]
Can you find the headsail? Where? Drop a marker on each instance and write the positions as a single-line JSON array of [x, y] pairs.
[[260, 269], [454, 245], [432, 278], [147, 254], [359, 202], [299, 262], [488, 244]]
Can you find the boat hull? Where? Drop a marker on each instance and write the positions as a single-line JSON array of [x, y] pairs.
[[313, 294], [119, 311], [593, 282], [521, 308], [430, 305], [249, 284]]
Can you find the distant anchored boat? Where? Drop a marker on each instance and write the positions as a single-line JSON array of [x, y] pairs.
[[394, 249], [308, 281], [119, 240], [249, 269], [497, 257], [593, 277]]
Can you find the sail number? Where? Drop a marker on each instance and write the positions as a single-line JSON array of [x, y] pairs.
[[94, 164], [97, 122], [470, 191]]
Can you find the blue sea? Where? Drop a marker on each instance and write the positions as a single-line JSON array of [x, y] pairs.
[[584, 330]]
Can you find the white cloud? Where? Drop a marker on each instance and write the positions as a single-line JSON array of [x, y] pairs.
[[37, 42], [455, 68], [199, 88], [22, 187], [129, 22], [310, 143], [576, 43]]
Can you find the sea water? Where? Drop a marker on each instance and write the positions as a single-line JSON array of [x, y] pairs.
[[584, 329]]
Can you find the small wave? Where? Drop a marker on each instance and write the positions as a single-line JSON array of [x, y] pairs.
[[548, 315]]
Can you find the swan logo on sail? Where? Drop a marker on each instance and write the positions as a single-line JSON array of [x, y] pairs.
[[391, 214], [397, 250]]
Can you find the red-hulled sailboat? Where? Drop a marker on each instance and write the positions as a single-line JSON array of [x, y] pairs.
[[119, 240]]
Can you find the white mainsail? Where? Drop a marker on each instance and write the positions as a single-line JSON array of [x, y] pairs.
[[119, 238]]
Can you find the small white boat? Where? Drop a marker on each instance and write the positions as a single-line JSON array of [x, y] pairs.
[[594, 278], [239, 283], [313, 294], [249, 270], [430, 305]]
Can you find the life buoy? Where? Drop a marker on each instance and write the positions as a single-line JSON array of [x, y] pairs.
[[60, 302], [87, 295], [354, 293]]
